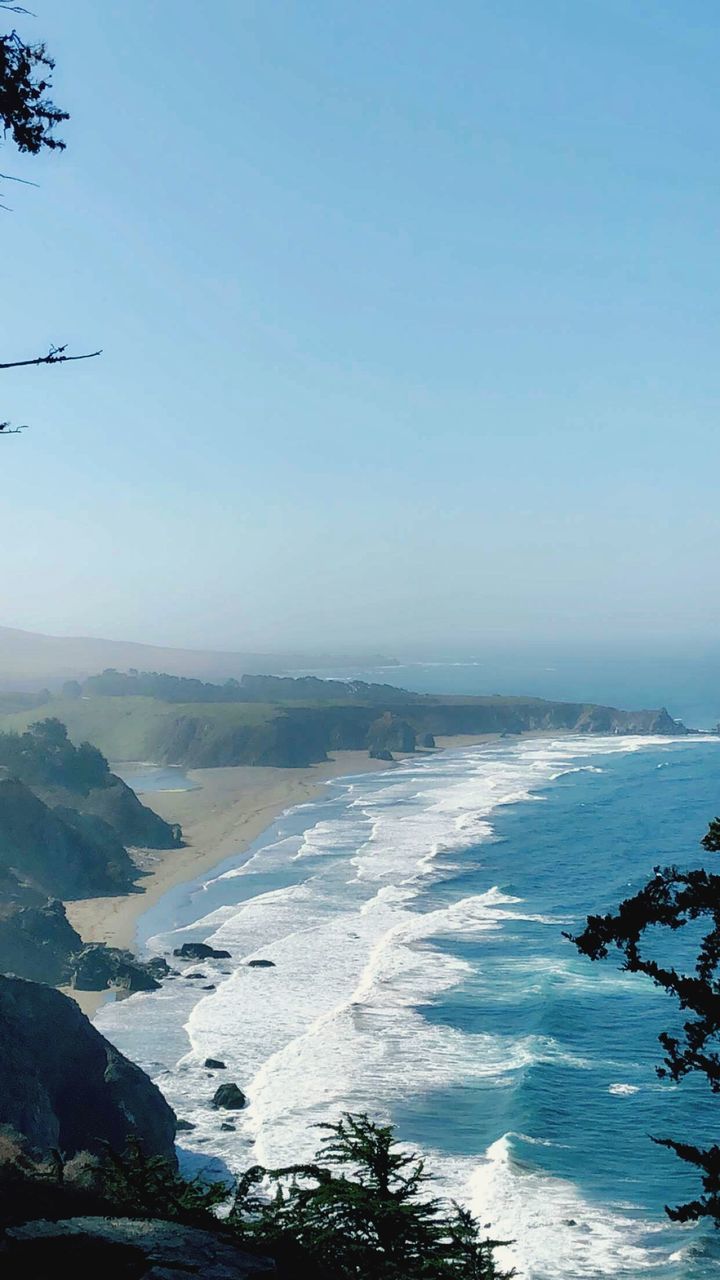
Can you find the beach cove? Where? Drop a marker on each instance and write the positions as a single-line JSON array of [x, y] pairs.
[[221, 813]]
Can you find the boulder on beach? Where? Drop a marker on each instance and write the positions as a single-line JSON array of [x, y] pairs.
[[380, 753], [98, 966], [229, 1097], [199, 951], [427, 740]]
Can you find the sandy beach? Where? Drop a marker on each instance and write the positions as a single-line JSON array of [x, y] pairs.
[[226, 811]]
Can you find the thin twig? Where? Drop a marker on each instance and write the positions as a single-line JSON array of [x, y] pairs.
[[54, 356]]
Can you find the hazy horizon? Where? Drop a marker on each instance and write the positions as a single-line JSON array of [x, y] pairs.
[[409, 328]]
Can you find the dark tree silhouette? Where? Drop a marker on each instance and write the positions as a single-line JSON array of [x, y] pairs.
[[28, 117], [360, 1209], [672, 900]]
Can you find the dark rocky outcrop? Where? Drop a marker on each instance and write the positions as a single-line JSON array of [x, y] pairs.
[[229, 1097], [36, 942], [391, 733], [42, 849], [78, 780], [64, 1087], [199, 951], [215, 1064], [427, 740], [381, 753], [125, 1249], [261, 964], [117, 805], [97, 966]]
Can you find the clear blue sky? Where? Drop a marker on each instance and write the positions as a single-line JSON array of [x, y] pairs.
[[410, 317]]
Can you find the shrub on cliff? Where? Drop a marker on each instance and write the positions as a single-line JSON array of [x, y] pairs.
[[362, 1210]]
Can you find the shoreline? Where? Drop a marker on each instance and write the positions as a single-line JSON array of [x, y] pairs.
[[222, 815]]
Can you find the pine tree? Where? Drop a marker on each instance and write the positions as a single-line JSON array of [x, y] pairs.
[[672, 900], [362, 1211]]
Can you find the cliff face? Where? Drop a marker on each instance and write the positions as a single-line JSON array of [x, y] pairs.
[[54, 854], [293, 736], [64, 1087], [76, 780], [36, 942], [117, 806]]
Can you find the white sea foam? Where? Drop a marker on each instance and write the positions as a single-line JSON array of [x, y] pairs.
[[556, 1232], [335, 1024]]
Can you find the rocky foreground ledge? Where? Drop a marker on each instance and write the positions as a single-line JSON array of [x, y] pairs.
[[134, 1249]]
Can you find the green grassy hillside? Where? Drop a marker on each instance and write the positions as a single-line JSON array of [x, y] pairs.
[[136, 728], [201, 735]]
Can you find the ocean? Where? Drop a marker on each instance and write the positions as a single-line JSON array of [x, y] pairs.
[[415, 920]]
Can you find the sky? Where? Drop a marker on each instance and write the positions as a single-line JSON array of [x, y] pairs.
[[409, 312]]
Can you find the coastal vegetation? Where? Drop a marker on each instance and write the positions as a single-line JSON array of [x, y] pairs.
[[361, 1210], [677, 901], [28, 118]]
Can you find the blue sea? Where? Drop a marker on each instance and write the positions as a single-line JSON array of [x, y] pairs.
[[415, 920]]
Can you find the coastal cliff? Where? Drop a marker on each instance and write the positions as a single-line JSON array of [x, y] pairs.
[[300, 735], [302, 721], [64, 1087]]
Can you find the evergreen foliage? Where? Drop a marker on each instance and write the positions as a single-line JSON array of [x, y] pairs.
[[26, 113], [361, 1212], [672, 900], [45, 756]]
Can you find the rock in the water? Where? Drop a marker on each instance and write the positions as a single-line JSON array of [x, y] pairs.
[[261, 964], [215, 1064], [64, 1087], [185, 1126], [229, 1097], [126, 1249], [210, 987], [158, 967], [228, 1128], [195, 975], [199, 951]]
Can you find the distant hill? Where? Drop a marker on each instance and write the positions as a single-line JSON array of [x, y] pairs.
[[29, 660], [296, 726]]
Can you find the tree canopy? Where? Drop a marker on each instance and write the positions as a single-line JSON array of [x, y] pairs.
[[28, 119], [672, 900]]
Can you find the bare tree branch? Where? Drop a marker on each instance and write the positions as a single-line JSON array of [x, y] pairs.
[[54, 356], [6, 429]]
